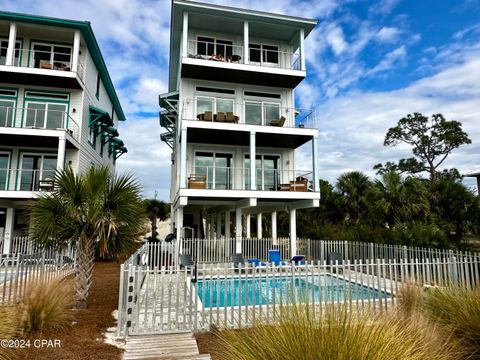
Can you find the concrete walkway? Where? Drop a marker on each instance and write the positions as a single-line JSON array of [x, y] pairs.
[[172, 347]]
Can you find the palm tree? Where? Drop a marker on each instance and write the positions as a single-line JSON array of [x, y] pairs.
[[156, 210], [356, 190], [91, 211]]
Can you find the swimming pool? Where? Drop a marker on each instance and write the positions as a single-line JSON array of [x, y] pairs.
[[261, 290]]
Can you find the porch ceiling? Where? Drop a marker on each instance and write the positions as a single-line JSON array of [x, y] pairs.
[[242, 138], [32, 141], [26, 78]]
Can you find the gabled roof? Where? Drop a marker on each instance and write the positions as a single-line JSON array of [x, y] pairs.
[[86, 30]]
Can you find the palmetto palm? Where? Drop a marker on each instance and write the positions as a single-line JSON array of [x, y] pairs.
[[355, 188], [93, 210]]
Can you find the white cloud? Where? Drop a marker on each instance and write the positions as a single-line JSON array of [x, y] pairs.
[[388, 34], [336, 39], [390, 60]]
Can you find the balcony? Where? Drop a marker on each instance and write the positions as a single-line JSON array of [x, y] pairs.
[[28, 179], [230, 178], [47, 60], [39, 116], [259, 113], [225, 61]]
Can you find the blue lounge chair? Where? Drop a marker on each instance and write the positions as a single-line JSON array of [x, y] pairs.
[[297, 259], [275, 258]]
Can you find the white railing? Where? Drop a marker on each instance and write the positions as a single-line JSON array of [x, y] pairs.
[[39, 119], [231, 178], [215, 51], [158, 299], [17, 270], [247, 112]]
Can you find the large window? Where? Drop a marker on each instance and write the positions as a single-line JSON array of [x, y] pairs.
[[48, 56], [46, 110], [4, 170], [261, 113], [3, 52], [35, 169], [264, 54], [215, 105], [208, 46], [267, 172], [216, 167]]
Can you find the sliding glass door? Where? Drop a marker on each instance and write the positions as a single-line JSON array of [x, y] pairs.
[[35, 169], [267, 172], [216, 167], [4, 170]]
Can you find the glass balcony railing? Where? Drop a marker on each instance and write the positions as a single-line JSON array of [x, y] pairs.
[[39, 117], [267, 56], [27, 179], [249, 113], [230, 178], [55, 59]]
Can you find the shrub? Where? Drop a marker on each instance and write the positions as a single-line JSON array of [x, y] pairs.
[[458, 310], [10, 321], [338, 335], [47, 304]]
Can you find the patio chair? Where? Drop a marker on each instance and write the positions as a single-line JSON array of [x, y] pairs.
[[280, 122], [197, 181], [220, 117], [274, 257], [208, 116], [231, 118], [332, 259], [186, 261]]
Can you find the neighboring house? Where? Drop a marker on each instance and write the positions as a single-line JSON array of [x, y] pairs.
[[231, 99], [476, 175], [58, 108]]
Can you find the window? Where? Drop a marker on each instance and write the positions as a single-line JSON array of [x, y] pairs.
[[261, 94], [267, 172], [267, 54], [217, 168], [4, 171], [97, 91], [215, 105], [261, 113], [36, 168], [48, 56], [92, 137], [207, 46], [3, 52], [215, 90], [45, 110], [8, 99]]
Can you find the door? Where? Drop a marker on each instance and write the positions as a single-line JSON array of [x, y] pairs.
[[4, 170], [267, 172], [7, 108], [216, 167], [46, 115], [35, 169]]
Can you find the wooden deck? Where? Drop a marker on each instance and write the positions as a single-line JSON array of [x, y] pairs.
[[169, 346]]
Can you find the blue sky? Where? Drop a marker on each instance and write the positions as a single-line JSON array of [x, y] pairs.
[[369, 63]]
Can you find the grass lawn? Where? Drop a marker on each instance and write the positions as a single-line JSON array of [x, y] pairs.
[[84, 340]]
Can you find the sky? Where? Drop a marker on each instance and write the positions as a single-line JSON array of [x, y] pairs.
[[369, 63]]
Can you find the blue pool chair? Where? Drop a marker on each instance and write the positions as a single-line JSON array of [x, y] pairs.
[[275, 258], [298, 259]]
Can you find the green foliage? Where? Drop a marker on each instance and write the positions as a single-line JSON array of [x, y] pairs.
[[432, 140], [420, 234]]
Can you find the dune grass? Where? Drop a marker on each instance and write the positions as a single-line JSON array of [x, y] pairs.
[[47, 305], [338, 334], [457, 309]]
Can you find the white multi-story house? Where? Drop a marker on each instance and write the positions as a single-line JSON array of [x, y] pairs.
[[58, 108], [231, 99]]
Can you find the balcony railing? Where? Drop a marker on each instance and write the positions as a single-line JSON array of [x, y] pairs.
[[248, 112], [27, 179], [38, 119], [47, 60], [230, 178], [215, 51]]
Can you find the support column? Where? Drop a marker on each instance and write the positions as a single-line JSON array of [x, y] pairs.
[[259, 226], [7, 238], [293, 232], [12, 38], [185, 35], [227, 225], [316, 180], [61, 153], [246, 41], [219, 225], [249, 233], [183, 159], [238, 230], [302, 50], [253, 173], [274, 228], [76, 50], [179, 223]]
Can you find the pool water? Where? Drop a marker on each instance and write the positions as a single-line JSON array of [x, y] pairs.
[[261, 290]]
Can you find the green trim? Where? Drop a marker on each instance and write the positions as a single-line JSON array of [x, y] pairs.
[[46, 100], [20, 152], [10, 159], [86, 30], [15, 98]]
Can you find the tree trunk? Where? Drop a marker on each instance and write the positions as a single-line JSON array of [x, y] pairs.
[[83, 278]]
